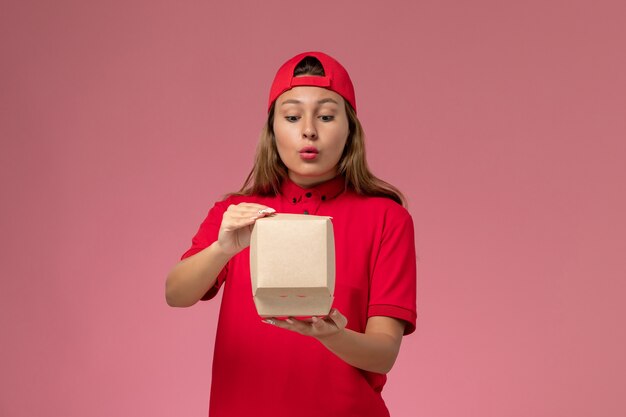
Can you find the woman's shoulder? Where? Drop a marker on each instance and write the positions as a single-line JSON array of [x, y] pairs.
[[379, 205]]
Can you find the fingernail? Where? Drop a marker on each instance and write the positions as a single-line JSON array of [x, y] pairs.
[[289, 321]]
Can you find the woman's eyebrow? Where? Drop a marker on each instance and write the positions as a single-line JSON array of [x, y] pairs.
[[322, 101]]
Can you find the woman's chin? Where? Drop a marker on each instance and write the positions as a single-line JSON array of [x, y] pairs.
[[310, 176]]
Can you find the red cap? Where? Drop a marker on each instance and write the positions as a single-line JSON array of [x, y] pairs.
[[336, 78]]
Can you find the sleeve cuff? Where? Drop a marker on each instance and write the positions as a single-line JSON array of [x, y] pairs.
[[190, 252], [212, 292]]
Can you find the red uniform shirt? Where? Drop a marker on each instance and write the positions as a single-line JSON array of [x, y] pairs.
[[260, 370]]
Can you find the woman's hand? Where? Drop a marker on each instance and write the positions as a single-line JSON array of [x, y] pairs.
[[236, 227], [375, 350], [318, 328], [192, 277]]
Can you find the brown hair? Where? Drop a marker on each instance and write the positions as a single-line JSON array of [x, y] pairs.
[[269, 170]]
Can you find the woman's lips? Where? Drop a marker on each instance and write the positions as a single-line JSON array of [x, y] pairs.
[[308, 153]]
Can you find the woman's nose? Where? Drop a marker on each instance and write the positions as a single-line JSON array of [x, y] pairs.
[[308, 130]]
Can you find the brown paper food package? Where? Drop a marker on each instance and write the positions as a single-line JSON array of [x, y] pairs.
[[292, 265]]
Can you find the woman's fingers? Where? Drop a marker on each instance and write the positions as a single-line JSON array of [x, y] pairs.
[[248, 210], [248, 207], [236, 226], [244, 214], [317, 327], [337, 318], [289, 324]]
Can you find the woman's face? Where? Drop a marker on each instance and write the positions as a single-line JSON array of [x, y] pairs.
[[311, 129]]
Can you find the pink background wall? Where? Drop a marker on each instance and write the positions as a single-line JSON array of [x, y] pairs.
[[503, 122]]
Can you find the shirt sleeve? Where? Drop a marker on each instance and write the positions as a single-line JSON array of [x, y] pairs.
[[393, 289], [206, 235]]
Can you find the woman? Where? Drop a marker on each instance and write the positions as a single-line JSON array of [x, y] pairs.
[[310, 159]]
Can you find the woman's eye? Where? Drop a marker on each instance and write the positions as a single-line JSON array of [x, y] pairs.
[[291, 119], [327, 118]]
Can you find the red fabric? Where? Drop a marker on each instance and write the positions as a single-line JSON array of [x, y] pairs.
[[336, 78], [260, 370]]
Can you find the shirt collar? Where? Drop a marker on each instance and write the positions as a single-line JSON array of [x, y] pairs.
[[324, 191]]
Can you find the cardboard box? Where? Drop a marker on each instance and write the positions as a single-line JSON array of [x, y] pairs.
[[292, 265]]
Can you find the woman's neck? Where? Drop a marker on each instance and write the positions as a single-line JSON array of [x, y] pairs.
[[310, 182]]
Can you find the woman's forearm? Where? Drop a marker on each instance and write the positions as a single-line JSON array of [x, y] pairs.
[[192, 277], [374, 352]]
